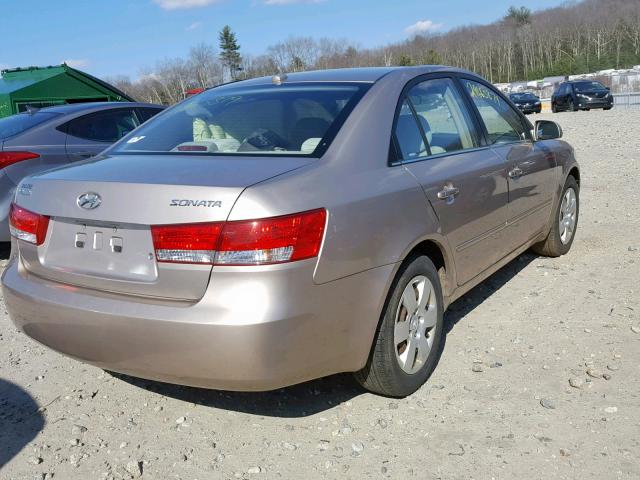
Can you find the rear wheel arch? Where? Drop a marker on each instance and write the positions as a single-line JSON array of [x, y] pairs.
[[575, 173], [381, 373], [437, 253]]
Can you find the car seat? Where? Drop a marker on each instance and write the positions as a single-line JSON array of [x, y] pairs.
[[435, 149], [305, 129], [405, 132]]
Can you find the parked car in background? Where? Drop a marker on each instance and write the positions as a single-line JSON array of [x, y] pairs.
[[40, 139], [527, 102], [581, 95], [321, 222]]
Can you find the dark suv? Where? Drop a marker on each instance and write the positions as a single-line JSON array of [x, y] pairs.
[[581, 95]]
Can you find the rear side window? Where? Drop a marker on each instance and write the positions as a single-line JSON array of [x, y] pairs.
[[433, 119], [443, 116], [408, 135], [21, 122], [287, 119], [502, 122], [107, 126]]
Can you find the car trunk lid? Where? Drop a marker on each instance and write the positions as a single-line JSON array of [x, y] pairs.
[[109, 247]]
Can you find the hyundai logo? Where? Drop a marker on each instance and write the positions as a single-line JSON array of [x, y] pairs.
[[89, 200]]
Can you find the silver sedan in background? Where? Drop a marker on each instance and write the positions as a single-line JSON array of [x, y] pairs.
[[41, 139], [275, 230]]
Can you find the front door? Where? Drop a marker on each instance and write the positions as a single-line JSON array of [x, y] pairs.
[[467, 186]]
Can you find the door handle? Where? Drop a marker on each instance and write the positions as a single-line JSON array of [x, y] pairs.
[[448, 192], [516, 173]]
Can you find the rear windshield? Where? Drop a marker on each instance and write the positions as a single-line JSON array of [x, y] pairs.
[[588, 86], [21, 122], [288, 119]]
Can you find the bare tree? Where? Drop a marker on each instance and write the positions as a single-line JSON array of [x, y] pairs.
[[573, 38], [204, 65]]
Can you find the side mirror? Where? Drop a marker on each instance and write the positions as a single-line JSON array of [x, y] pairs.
[[547, 130]]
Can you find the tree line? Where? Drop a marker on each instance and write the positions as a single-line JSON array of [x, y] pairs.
[[577, 37]]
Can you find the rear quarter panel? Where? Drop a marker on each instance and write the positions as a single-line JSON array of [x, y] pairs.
[[46, 141], [377, 213], [565, 163]]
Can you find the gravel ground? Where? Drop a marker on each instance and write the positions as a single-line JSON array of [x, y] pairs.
[[540, 378]]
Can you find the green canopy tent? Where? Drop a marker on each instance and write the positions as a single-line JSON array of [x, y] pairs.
[[38, 87]]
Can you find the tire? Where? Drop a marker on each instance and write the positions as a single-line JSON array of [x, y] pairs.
[[389, 370], [556, 243], [573, 107], [554, 109], [607, 108]]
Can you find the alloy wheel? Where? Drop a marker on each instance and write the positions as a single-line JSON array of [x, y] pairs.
[[568, 215], [415, 324]]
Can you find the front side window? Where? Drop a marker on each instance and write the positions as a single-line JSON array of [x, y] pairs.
[[287, 119], [107, 126], [502, 123]]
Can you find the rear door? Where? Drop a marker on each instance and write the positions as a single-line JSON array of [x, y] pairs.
[[556, 98], [437, 141], [564, 98], [90, 134], [530, 165]]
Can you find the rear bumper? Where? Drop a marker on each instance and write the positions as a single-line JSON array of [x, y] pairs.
[[255, 330]]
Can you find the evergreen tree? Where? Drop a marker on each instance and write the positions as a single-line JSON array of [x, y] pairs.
[[230, 52], [520, 16], [405, 61]]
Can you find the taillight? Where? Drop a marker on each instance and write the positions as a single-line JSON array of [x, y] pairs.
[[9, 158], [246, 242], [272, 240], [191, 243], [28, 226]]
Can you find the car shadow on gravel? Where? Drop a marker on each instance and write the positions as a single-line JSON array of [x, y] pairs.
[[472, 299], [318, 395], [20, 420], [296, 401]]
